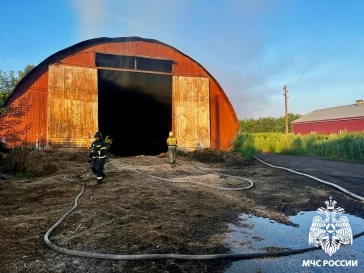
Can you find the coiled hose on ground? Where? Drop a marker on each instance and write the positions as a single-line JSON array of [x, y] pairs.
[[238, 256]]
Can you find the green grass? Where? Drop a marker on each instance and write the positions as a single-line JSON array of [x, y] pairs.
[[25, 174], [26, 148], [342, 147], [245, 145]]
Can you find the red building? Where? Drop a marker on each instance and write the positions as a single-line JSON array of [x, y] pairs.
[[335, 120], [135, 90]]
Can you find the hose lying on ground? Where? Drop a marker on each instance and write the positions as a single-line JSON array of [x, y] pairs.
[[238, 256], [315, 178], [251, 184], [200, 183]]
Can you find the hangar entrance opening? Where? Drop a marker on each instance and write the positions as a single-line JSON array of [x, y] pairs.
[[135, 110]]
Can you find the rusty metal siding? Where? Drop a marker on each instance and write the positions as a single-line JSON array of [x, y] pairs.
[[72, 105], [184, 65], [25, 121], [224, 126], [83, 59], [329, 127], [191, 112]]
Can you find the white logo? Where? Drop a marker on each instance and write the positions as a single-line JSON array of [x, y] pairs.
[[330, 233]]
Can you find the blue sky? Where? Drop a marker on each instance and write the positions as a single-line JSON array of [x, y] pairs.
[[252, 48]]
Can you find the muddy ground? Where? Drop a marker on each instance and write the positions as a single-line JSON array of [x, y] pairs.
[[135, 214]]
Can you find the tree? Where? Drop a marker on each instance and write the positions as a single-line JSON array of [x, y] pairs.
[[10, 119], [8, 81], [267, 124], [25, 71]]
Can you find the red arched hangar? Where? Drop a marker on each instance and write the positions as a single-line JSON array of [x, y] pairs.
[[133, 89]]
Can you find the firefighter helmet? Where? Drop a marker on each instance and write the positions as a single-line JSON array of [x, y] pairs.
[[98, 134]]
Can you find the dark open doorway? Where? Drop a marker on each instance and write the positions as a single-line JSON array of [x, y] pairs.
[[135, 110]]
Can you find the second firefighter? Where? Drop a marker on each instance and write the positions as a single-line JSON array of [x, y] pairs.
[[172, 149]]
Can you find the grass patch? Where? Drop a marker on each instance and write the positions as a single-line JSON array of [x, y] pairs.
[[25, 148], [348, 147], [25, 174]]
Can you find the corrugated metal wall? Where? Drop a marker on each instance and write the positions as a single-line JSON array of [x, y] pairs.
[[26, 118], [329, 127], [191, 112], [224, 123]]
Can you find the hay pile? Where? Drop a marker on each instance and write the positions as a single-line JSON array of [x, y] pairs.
[[215, 156], [208, 155], [39, 163]]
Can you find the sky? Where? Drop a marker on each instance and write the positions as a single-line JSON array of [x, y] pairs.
[[252, 47]]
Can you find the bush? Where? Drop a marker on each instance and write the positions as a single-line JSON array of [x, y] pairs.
[[245, 145]]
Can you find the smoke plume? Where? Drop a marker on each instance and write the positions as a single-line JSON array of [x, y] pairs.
[[91, 20]]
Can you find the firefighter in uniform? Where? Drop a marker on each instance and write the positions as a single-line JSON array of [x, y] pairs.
[[172, 148], [98, 151]]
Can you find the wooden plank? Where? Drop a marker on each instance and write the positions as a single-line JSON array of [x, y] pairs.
[[191, 112], [72, 105]]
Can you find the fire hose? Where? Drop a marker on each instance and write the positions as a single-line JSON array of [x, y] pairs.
[[236, 256], [315, 178]]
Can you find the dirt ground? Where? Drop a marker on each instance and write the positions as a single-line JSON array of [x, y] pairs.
[[135, 214]]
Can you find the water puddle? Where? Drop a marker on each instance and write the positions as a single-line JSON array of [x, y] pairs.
[[257, 234]]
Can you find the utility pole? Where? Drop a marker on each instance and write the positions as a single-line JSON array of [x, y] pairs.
[[286, 107]]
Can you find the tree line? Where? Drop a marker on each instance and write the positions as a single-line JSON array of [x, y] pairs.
[[8, 81], [268, 124]]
